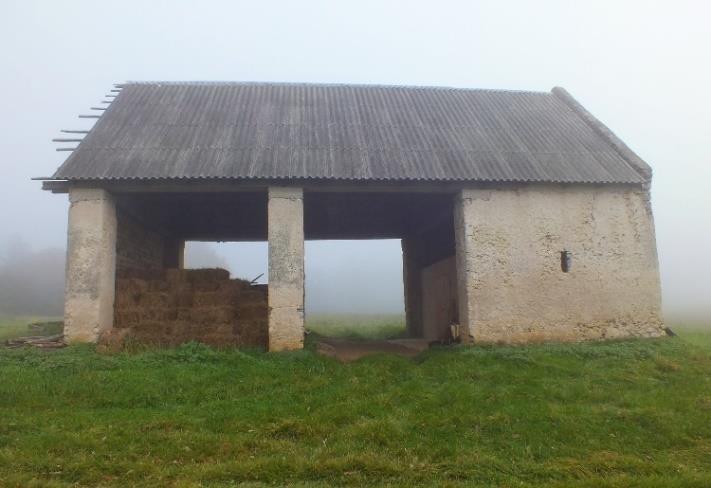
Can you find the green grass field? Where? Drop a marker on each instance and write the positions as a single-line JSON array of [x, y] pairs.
[[617, 414], [11, 327], [357, 327]]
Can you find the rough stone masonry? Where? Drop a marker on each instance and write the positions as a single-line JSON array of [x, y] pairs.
[[511, 285]]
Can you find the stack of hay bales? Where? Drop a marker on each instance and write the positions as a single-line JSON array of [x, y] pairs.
[[174, 306]]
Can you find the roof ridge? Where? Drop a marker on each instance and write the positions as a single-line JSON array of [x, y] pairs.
[[319, 84], [637, 163]]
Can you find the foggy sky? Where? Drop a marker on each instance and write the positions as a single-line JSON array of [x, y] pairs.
[[642, 67]]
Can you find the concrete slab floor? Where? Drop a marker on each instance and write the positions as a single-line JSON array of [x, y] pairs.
[[346, 351]]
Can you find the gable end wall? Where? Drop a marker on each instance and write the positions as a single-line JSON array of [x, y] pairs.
[[511, 285]]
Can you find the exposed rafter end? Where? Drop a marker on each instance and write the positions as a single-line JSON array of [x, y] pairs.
[[55, 186], [65, 149], [67, 131], [67, 140], [98, 108], [90, 116], [115, 91]]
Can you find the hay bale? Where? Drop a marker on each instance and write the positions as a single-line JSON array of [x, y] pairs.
[[180, 332], [158, 285], [252, 334], [220, 338], [173, 333], [129, 292], [261, 288], [175, 275], [208, 299], [215, 298], [177, 306], [233, 335], [148, 325], [140, 274], [159, 333], [184, 313], [252, 296], [184, 295], [159, 314], [113, 340], [212, 315], [252, 311], [126, 318], [233, 286], [206, 286], [124, 299], [207, 274], [131, 285], [158, 299]]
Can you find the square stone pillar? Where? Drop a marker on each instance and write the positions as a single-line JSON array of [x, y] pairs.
[[286, 268], [91, 265], [466, 279]]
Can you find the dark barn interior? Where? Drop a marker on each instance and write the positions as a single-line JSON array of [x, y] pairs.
[[422, 221]]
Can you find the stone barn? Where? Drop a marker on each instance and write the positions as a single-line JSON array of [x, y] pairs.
[[522, 217]]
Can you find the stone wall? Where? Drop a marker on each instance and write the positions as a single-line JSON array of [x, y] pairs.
[[439, 299], [173, 306], [137, 246], [511, 284]]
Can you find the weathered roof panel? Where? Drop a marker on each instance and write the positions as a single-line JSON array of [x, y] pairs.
[[198, 130]]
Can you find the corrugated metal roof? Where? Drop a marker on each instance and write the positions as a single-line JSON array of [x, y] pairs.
[[198, 130]]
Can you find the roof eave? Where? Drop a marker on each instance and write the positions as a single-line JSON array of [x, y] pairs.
[[238, 184]]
